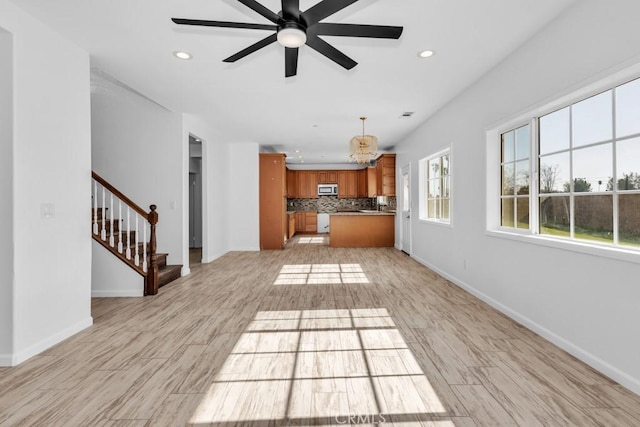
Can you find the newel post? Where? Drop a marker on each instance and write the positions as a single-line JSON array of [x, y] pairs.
[[152, 274]]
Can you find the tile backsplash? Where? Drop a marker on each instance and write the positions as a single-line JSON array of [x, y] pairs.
[[333, 204]]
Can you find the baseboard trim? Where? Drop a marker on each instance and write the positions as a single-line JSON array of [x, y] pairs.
[[246, 249], [125, 293], [214, 257], [5, 360], [49, 342], [595, 362]]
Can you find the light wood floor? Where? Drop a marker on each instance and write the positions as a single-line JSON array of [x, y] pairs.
[[308, 336]]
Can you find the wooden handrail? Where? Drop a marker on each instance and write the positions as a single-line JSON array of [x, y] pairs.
[[122, 197], [151, 275]]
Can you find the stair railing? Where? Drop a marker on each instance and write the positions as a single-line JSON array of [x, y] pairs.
[[119, 230]]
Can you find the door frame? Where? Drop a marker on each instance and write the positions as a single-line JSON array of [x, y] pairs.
[[405, 168]]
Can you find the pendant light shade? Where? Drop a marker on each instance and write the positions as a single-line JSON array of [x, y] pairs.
[[363, 148]]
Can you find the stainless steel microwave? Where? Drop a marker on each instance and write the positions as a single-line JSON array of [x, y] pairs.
[[327, 189]]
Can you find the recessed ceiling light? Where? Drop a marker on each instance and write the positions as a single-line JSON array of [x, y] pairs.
[[426, 53], [297, 151], [299, 157], [182, 55], [301, 161]]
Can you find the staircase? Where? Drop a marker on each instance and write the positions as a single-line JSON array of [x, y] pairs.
[[129, 233]]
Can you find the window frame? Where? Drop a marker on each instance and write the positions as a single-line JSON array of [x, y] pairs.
[[423, 198], [532, 183], [494, 173]]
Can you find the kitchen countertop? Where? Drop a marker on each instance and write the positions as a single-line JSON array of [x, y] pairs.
[[358, 213]]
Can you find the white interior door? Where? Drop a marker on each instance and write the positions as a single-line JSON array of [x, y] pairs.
[[405, 208]]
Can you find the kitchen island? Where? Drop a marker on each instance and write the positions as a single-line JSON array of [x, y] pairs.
[[369, 229]]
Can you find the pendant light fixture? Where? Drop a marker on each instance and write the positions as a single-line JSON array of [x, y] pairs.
[[363, 148]]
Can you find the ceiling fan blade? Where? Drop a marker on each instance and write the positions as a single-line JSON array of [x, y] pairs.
[[257, 7], [321, 46], [291, 8], [224, 24], [355, 30], [324, 9], [290, 61], [254, 47]]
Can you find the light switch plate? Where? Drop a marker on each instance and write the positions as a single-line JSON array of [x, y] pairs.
[[47, 210]]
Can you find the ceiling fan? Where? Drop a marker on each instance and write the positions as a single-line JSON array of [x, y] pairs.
[[294, 28]]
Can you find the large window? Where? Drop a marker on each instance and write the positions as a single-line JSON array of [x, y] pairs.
[[435, 193], [588, 171]]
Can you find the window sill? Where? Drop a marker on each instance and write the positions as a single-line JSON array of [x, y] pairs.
[[617, 253], [436, 222]]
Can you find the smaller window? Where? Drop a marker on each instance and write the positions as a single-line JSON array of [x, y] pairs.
[[516, 178], [435, 194]]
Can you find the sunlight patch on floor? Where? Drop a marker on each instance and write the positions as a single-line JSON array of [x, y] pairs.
[[321, 274], [311, 240], [319, 367]]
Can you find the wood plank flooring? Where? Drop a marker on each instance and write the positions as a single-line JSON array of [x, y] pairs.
[[310, 335]]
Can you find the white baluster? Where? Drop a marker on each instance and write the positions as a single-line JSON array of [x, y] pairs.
[[95, 207], [119, 228], [144, 248], [128, 233], [103, 234], [137, 257], [111, 242]]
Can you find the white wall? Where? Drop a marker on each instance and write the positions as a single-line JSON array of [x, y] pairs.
[[6, 194], [586, 304], [244, 198], [137, 147], [110, 277], [215, 184], [51, 164]]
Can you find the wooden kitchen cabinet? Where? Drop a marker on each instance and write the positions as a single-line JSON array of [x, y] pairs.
[[292, 184], [292, 224], [300, 222], [347, 184], [311, 222], [306, 222], [386, 175], [307, 184], [327, 177], [372, 186], [362, 183], [273, 201]]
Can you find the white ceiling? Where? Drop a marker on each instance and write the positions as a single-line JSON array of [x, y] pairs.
[[318, 111]]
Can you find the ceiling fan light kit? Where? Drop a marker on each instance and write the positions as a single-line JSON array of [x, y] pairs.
[[292, 35], [294, 28]]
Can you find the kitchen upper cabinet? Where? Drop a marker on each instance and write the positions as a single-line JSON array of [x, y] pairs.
[[386, 175], [347, 184], [362, 183], [292, 184], [332, 177], [327, 177], [372, 186], [273, 188], [307, 184]]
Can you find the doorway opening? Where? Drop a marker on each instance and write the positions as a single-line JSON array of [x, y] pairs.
[[195, 201], [405, 212]]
